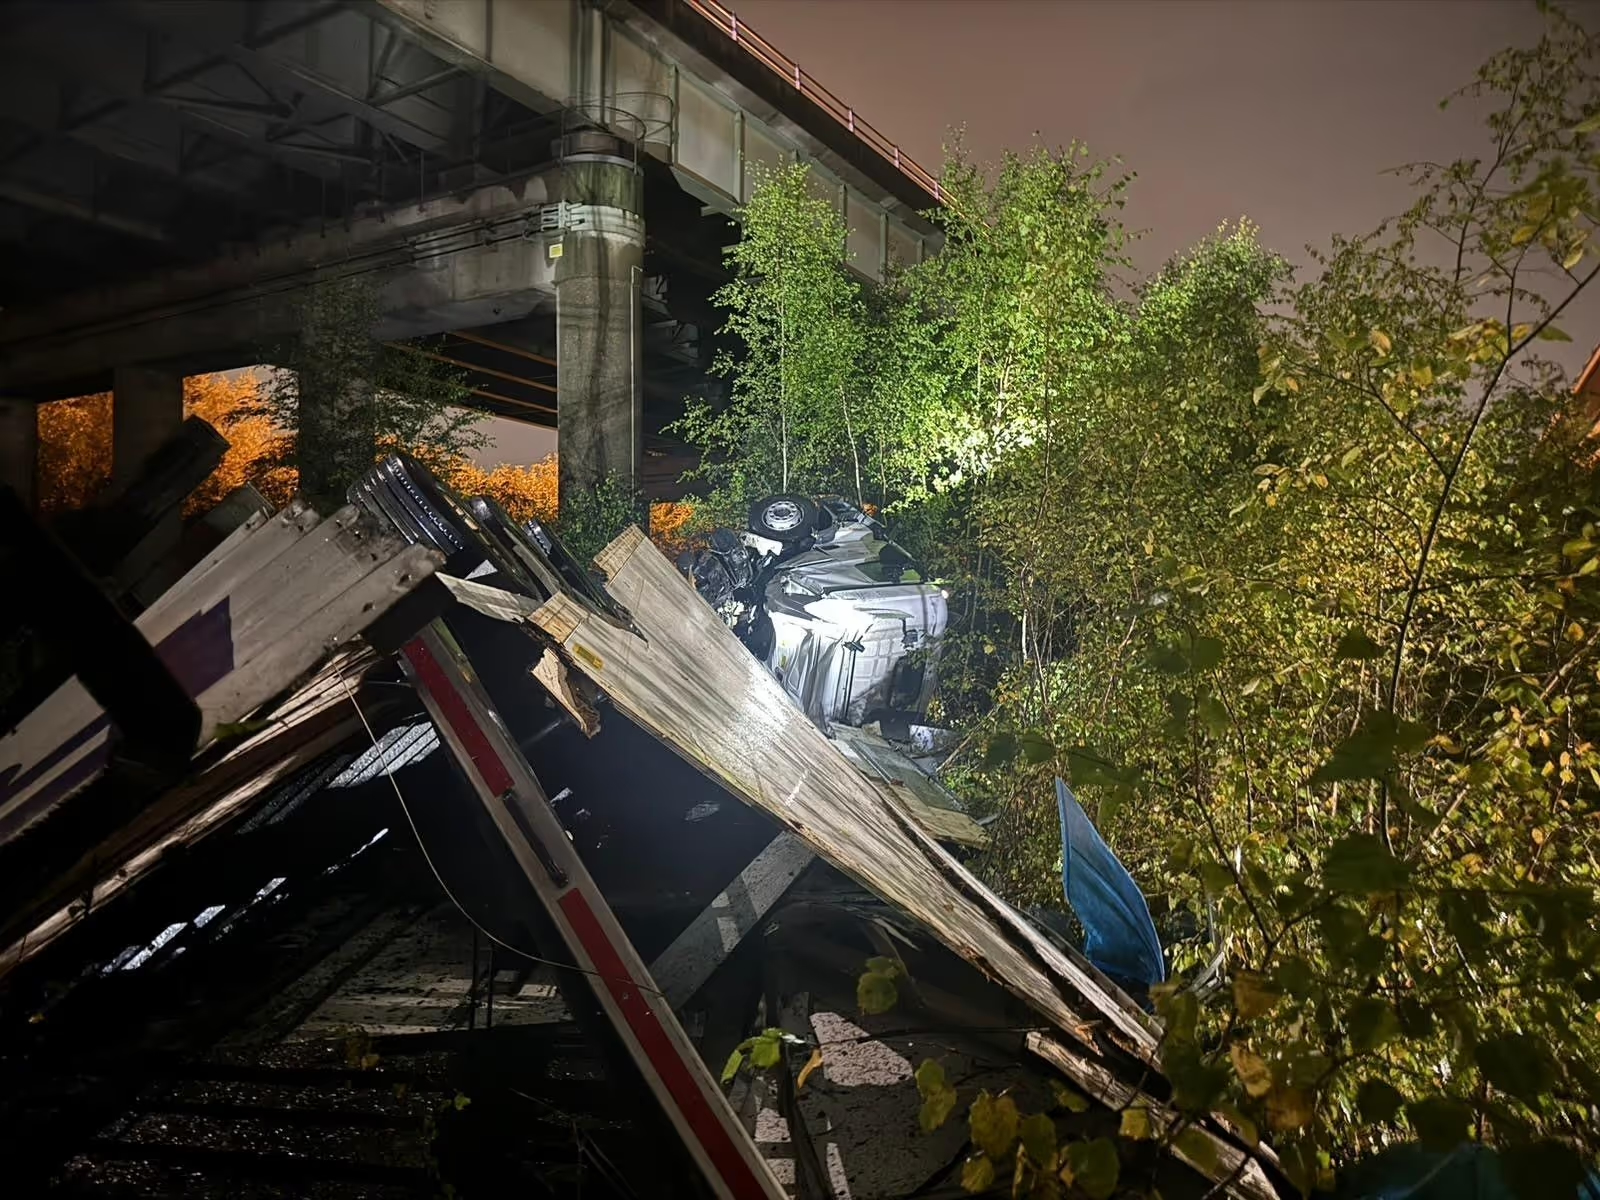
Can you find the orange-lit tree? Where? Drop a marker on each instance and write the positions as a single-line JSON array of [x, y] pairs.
[[75, 458], [75, 444], [74, 451], [259, 451]]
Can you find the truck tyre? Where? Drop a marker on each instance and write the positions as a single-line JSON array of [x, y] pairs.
[[787, 517]]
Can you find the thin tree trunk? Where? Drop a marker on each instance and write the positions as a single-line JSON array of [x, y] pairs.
[[783, 397], [855, 454]]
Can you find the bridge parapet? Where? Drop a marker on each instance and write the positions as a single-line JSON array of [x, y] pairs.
[[687, 82]]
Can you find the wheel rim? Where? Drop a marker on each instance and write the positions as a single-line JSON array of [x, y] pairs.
[[782, 515]]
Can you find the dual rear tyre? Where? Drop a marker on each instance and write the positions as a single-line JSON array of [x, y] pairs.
[[786, 517]]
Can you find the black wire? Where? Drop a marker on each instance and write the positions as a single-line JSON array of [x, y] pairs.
[[451, 896]]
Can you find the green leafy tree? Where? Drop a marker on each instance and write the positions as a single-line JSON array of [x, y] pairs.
[[1296, 581], [989, 363], [350, 397], [1329, 608], [795, 419], [590, 520]]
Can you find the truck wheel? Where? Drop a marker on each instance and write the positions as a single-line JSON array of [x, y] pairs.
[[785, 518]]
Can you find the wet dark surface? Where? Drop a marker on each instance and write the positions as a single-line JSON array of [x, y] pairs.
[[191, 1039], [162, 1049]]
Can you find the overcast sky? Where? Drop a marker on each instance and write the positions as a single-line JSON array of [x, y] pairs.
[[1286, 111]]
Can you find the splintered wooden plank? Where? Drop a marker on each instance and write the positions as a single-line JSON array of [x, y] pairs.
[[490, 601], [1218, 1159], [906, 786], [691, 682], [314, 720], [944, 825], [550, 672]]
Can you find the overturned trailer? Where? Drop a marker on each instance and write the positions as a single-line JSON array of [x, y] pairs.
[[494, 894]]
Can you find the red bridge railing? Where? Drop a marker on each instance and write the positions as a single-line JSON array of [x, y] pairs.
[[780, 64]]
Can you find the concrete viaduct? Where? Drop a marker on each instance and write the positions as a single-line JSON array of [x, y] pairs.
[[546, 183]]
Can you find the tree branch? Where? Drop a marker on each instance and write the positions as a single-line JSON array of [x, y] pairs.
[[1431, 537]]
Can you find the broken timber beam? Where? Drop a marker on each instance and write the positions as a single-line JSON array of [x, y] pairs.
[[695, 954], [1221, 1161]]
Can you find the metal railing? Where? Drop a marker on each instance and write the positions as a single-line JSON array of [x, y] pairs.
[[780, 64]]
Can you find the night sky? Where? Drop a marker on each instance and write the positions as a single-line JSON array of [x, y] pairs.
[[1286, 111]]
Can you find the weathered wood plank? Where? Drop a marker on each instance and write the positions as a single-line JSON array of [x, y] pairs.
[[490, 601], [237, 630], [1227, 1163], [305, 632], [34, 747], [325, 562], [236, 559], [696, 687], [317, 715], [270, 772]]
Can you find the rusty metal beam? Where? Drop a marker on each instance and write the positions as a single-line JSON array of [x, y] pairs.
[[467, 366], [466, 336]]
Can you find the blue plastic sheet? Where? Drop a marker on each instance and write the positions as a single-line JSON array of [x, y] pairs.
[[1119, 936]]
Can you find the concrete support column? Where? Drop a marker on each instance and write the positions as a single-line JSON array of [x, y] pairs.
[[598, 278], [146, 410], [19, 449]]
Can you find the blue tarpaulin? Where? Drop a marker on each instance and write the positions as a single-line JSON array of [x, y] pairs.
[[1119, 936]]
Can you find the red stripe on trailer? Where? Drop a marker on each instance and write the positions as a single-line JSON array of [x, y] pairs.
[[466, 728], [668, 1064], [663, 1056]]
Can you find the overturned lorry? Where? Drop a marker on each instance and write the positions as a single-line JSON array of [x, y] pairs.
[[520, 874], [840, 614]]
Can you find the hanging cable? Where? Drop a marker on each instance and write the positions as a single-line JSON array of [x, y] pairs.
[[451, 896]]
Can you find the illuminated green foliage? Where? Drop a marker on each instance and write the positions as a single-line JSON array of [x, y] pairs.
[[1297, 580]]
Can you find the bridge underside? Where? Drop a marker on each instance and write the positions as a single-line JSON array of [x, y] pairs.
[[174, 174]]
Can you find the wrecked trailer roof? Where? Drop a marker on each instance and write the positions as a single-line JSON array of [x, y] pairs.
[[787, 769], [687, 679], [692, 683], [245, 623]]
